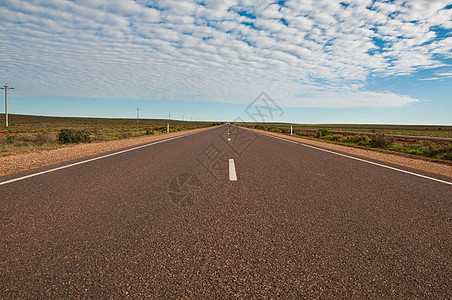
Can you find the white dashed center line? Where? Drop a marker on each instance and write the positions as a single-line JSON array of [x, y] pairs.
[[232, 174]]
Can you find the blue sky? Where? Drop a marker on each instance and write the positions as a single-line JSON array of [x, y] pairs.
[[318, 61]]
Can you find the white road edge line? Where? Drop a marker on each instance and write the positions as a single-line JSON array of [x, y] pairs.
[[362, 160], [232, 173], [93, 159], [282, 139]]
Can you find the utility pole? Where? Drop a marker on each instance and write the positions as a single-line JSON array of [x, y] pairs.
[[138, 114], [6, 88]]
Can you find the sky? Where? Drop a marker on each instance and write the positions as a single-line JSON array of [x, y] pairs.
[[300, 61]]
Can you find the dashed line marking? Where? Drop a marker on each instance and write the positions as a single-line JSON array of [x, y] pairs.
[[232, 173]]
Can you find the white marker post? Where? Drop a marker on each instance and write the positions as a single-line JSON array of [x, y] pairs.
[[291, 130], [167, 128]]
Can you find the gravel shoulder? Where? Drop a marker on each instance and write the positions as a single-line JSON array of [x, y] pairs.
[[20, 162], [420, 164]]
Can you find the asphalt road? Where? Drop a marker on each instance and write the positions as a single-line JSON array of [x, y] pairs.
[[167, 221]]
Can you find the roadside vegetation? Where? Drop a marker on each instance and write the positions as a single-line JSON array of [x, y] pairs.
[[27, 133], [377, 138], [412, 130]]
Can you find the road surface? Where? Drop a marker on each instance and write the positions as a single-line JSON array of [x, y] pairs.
[[225, 213]]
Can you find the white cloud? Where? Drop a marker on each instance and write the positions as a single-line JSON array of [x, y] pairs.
[[429, 79], [352, 99], [214, 51], [448, 74]]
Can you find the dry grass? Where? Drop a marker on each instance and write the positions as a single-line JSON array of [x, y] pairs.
[[31, 133]]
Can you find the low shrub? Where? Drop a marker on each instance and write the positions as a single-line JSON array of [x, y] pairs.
[[305, 133], [322, 132], [20, 140], [438, 150], [447, 155], [407, 148], [425, 148], [44, 138], [362, 140], [334, 138], [381, 141], [124, 135], [16, 141], [284, 130], [69, 136]]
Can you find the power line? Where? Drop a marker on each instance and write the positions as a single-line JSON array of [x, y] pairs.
[[6, 88]]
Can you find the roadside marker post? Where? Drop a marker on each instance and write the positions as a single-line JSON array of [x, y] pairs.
[[291, 130], [167, 128]]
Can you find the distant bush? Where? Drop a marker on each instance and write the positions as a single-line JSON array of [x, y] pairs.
[[362, 140], [69, 136], [43, 138], [381, 141], [334, 138], [447, 155], [21, 140], [16, 141], [305, 133], [163, 129], [429, 149], [438, 150], [284, 130], [322, 132]]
